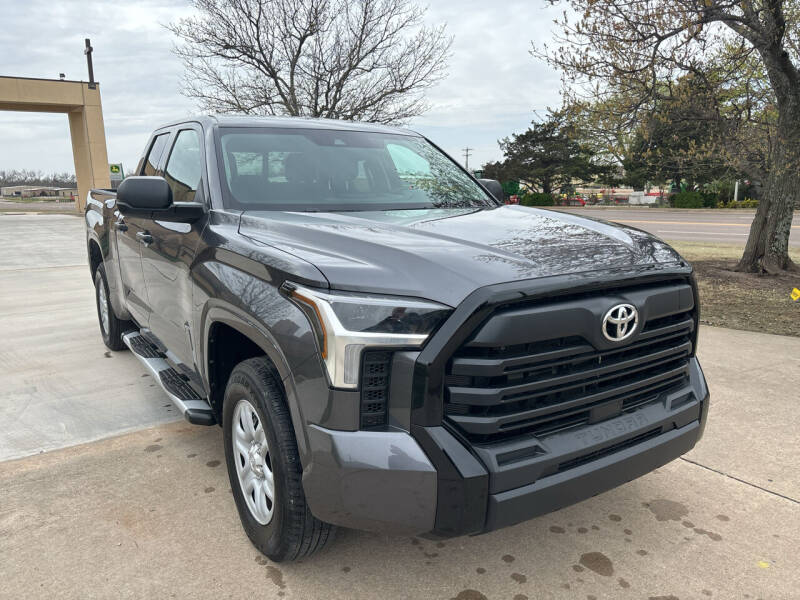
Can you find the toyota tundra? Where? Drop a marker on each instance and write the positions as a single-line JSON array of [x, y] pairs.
[[385, 344]]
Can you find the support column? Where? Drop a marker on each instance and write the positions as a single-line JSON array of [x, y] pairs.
[[89, 145]]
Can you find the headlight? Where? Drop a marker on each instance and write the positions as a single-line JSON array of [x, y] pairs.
[[346, 322]]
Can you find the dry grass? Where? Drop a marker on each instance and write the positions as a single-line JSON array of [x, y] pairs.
[[707, 251], [742, 300]]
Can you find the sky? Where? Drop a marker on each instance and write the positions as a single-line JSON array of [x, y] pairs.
[[494, 87]]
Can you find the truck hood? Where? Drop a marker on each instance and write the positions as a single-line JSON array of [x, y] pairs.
[[445, 254]]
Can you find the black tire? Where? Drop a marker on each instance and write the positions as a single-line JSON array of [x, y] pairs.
[[293, 532], [112, 334]]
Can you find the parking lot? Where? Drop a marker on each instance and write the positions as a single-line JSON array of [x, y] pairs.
[[104, 493]]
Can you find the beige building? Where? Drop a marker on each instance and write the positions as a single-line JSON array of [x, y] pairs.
[[37, 191], [80, 101], [67, 192], [12, 190]]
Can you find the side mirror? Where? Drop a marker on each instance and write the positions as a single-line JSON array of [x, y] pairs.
[[143, 194], [494, 187]]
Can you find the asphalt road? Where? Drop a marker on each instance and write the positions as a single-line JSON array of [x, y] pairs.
[[104, 495], [727, 226]]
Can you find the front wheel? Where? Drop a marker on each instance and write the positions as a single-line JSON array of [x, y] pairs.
[[264, 465], [111, 328]]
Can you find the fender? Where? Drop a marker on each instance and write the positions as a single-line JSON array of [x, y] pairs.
[[246, 324], [238, 284]]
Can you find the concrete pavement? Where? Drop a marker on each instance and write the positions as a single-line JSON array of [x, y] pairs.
[[148, 513], [724, 225], [60, 385]]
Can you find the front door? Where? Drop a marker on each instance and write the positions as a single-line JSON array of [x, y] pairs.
[[167, 260], [131, 232]]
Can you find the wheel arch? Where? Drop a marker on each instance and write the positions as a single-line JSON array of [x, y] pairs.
[[95, 255], [231, 336]]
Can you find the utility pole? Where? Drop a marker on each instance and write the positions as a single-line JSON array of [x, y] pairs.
[[467, 152]]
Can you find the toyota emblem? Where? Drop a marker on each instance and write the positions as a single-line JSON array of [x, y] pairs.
[[620, 322]]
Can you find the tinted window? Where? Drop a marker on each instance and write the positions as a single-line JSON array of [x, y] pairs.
[[298, 169], [154, 156], [184, 167]]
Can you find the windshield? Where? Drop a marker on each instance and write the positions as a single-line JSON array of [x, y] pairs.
[[328, 170]]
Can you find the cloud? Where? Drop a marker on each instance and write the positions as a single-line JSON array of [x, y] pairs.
[[493, 87], [139, 77]]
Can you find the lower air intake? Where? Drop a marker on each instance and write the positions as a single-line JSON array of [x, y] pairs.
[[375, 371]]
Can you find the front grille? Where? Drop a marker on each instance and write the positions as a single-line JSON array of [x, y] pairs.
[[544, 387], [375, 375]]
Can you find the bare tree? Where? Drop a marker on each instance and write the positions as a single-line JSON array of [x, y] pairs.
[[636, 49], [368, 60], [30, 177]]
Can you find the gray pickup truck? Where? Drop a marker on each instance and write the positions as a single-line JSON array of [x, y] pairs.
[[385, 344]]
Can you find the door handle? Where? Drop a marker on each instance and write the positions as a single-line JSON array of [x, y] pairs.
[[120, 226], [144, 237]]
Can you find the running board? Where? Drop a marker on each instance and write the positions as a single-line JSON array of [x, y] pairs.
[[191, 405]]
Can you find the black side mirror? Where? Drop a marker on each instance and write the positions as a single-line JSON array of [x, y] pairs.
[[143, 194], [495, 189]]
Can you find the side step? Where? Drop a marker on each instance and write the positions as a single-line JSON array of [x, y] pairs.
[[192, 406]]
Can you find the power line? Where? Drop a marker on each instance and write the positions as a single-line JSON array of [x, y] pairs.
[[467, 151]]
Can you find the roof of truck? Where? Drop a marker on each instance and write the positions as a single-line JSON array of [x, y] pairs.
[[290, 122]]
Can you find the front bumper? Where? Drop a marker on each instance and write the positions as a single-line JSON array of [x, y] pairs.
[[391, 482], [560, 490], [375, 481]]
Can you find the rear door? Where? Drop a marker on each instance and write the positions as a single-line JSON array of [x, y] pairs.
[[130, 231], [167, 260]]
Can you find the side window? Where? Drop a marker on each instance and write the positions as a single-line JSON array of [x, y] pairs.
[[154, 156], [184, 167]]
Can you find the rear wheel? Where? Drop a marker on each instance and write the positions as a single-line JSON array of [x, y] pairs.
[[111, 328], [264, 465]]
